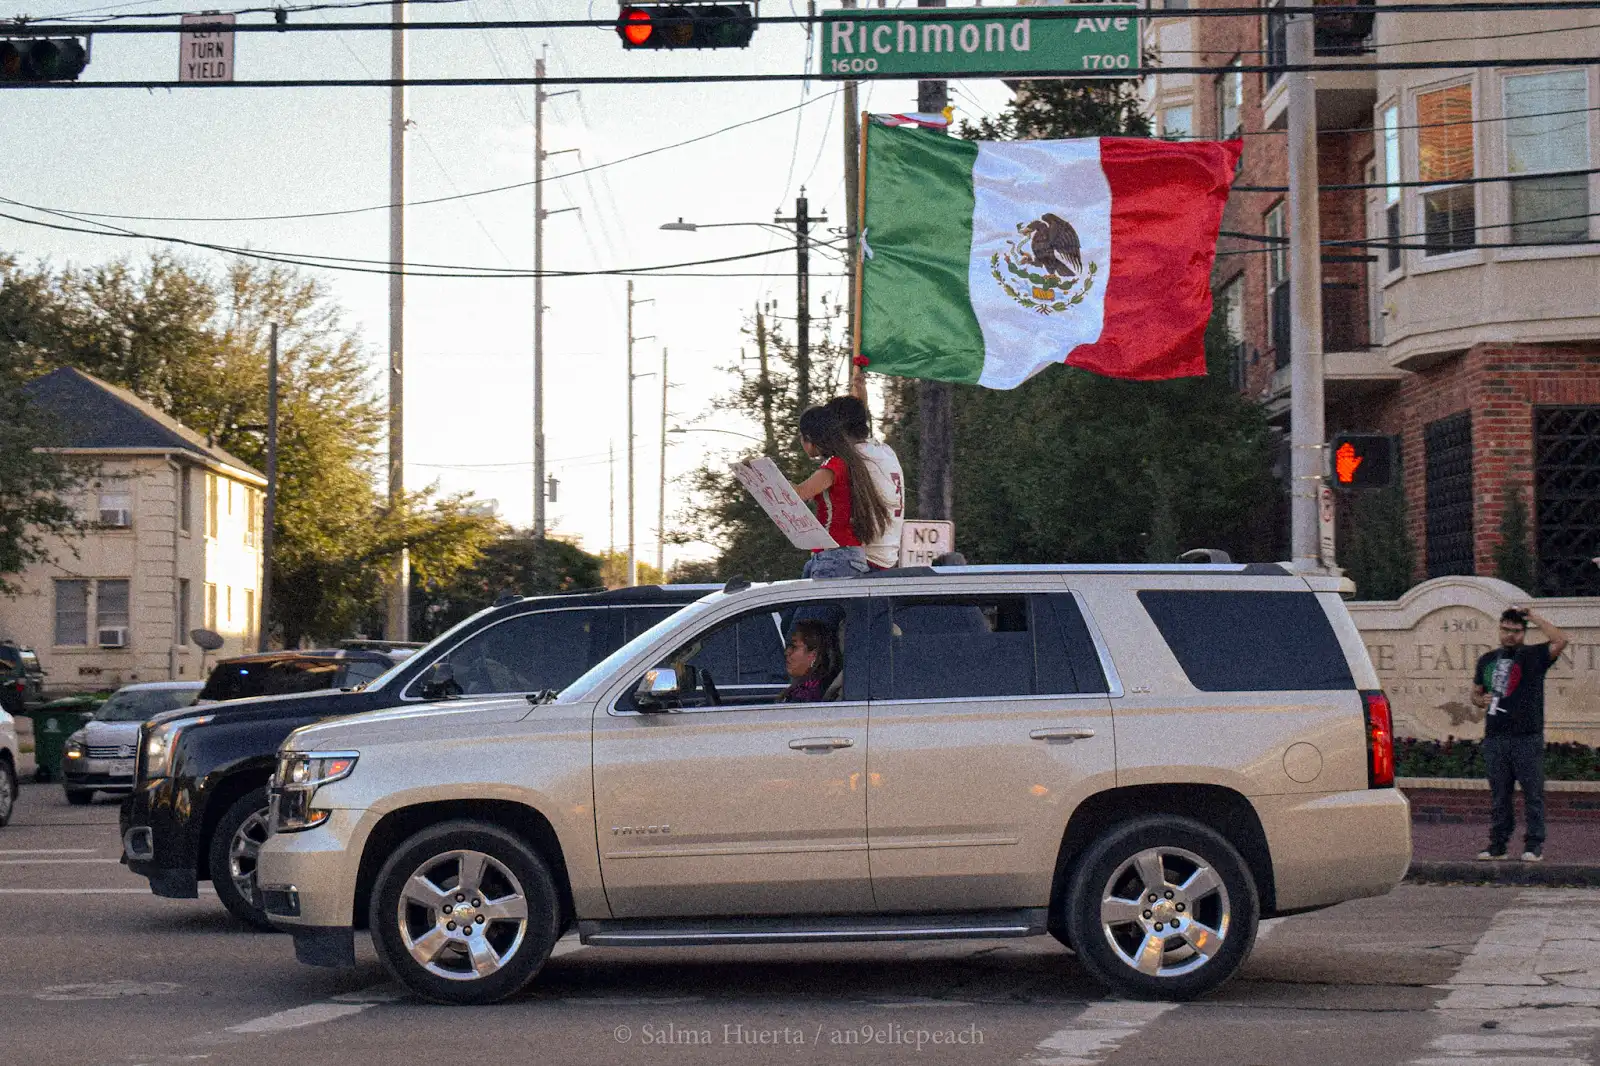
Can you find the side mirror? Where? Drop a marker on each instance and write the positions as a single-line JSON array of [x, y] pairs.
[[439, 682], [657, 688]]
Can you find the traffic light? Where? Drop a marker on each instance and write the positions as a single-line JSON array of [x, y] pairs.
[[1363, 461], [42, 59], [671, 25]]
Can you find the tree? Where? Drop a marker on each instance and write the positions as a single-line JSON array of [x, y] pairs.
[[518, 565], [1048, 110], [614, 571], [1380, 557], [1513, 562]]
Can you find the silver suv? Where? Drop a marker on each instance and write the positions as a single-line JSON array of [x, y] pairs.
[[1142, 761]]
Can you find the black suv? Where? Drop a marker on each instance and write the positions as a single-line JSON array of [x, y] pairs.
[[278, 673], [21, 678], [198, 810]]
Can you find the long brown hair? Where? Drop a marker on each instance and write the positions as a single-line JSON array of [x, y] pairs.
[[869, 513]]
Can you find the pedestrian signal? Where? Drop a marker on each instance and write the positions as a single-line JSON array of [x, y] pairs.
[[1363, 460], [42, 59], [678, 25]]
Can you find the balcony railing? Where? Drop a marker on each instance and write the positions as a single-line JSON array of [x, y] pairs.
[[1344, 33], [1344, 319]]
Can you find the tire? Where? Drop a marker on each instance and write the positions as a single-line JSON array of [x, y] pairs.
[[235, 843], [1199, 871], [419, 943], [8, 791], [80, 797]]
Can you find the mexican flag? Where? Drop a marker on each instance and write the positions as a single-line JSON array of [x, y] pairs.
[[986, 261]]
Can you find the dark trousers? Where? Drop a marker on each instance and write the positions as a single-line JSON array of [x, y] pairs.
[[1512, 760]]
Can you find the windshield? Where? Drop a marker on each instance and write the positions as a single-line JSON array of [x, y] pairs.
[[601, 671], [138, 705]]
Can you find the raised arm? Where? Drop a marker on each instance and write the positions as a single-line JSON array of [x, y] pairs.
[[1558, 639]]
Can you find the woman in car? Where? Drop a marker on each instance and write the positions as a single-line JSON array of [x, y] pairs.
[[813, 661]]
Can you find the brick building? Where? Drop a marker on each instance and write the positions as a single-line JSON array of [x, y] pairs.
[[1470, 327]]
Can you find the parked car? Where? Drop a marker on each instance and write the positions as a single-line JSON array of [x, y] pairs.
[[1140, 760], [8, 766], [198, 810], [100, 756], [278, 673], [21, 678]]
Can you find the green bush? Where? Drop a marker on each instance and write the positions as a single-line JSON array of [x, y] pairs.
[[1452, 757]]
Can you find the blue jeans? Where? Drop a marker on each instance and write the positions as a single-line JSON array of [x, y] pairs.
[[1513, 760], [836, 562]]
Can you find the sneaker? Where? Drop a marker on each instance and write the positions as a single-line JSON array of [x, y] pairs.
[[1489, 854], [1533, 855]]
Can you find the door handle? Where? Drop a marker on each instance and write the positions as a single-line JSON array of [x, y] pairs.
[[820, 743], [1068, 732]]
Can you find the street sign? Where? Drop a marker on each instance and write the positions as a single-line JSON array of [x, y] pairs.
[[1101, 43], [923, 541], [206, 54], [1325, 524]]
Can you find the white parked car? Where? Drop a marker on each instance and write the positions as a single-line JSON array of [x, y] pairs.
[[100, 756], [8, 766]]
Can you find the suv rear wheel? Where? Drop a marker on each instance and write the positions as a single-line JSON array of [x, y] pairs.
[[464, 913], [8, 789], [1162, 907], [235, 845]]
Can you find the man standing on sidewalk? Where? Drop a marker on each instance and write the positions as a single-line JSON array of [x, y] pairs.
[[1509, 684]]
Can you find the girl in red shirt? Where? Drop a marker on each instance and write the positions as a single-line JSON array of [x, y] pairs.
[[848, 502]]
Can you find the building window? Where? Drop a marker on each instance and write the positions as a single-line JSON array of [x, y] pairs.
[[1445, 155], [1447, 461], [72, 613], [110, 605], [252, 520], [1391, 188], [181, 638], [250, 618], [1566, 499], [114, 505], [1278, 282], [1547, 129], [185, 506], [1177, 123], [1276, 36], [1230, 101], [211, 606], [211, 506], [1230, 305]]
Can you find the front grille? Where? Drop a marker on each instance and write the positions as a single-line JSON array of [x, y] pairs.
[[111, 751]]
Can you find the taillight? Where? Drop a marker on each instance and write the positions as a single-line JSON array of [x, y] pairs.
[[1380, 740]]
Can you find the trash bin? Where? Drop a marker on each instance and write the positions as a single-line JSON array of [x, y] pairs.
[[53, 723]]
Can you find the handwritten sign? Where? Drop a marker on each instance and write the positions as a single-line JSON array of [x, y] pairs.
[[206, 53], [763, 480]]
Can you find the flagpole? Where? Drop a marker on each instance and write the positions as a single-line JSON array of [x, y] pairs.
[[858, 376]]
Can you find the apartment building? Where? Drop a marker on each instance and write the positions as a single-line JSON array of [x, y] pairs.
[[1464, 317], [173, 544]]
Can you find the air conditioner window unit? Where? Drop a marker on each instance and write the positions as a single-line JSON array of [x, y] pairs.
[[116, 517], [113, 637]]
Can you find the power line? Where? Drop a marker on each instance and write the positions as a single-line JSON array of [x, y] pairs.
[[1393, 242], [1428, 125]]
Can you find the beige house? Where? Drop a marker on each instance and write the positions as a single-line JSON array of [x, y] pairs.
[[174, 544]]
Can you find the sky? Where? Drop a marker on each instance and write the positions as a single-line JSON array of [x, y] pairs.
[[468, 353]]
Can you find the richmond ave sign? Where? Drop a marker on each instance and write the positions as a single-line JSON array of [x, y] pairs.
[[981, 40]]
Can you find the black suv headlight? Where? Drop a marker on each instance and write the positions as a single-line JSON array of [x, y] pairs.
[[159, 742], [295, 784]]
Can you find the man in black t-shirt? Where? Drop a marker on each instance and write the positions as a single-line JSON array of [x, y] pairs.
[[1508, 684]]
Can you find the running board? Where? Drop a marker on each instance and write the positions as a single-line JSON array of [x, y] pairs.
[[844, 928]]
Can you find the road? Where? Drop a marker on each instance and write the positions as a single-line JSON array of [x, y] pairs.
[[95, 971]]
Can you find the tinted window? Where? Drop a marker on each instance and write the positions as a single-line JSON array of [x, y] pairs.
[[529, 653], [239, 680], [1250, 641], [360, 671], [636, 620], [954, 647], [746, 651], [10, 657], [1065, 653]]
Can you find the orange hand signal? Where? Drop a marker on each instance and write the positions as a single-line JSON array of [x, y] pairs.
[[1345, 461]]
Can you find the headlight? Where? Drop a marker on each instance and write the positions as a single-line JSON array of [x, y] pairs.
[[295, 785], [75, 746], [159, 742]]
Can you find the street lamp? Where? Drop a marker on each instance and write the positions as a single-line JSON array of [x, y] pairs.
[[676, 430]]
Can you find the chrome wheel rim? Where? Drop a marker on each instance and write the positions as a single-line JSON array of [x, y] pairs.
[[1165, 912], [8, 791], [463, 916], [243, 852]]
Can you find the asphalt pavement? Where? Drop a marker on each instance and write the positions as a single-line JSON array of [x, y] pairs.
[[94, 971]]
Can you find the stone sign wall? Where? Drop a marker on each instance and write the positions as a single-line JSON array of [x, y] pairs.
[[1425, 644]]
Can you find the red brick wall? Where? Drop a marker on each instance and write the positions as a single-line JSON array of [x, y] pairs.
[[1452, 805]]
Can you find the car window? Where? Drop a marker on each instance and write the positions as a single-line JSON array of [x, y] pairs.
[[1065, 655], [269, 677], [527, 653], [141, 704], [604, 670], [361, 671], [954, 647], [10, 657], [1249, 641], [636, 620]]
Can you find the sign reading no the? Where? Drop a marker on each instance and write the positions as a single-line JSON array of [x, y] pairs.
[[921, 542]]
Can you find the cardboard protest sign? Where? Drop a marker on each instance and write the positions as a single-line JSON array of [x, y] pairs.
[[763, 480]]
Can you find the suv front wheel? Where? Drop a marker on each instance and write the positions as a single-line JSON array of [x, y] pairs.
[[464, 913], [1163, 908], [235, 847]]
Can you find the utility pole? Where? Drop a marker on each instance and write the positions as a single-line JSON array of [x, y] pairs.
[[936, 429], [270, 511], [661, 482], [1306, 432], [539, 215], [399, 620], [769, 433], [802, 221], [633, 558], [611, 473]]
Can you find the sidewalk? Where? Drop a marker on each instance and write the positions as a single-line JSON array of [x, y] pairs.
[[1447, 851]]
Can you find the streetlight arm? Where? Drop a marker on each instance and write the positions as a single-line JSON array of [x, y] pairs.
[[708, 429]]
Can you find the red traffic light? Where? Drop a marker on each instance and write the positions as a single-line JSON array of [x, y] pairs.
[[1363, 460], [635, 26], [661, 24]]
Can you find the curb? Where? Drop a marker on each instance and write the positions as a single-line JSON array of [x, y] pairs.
[[1505, 872]]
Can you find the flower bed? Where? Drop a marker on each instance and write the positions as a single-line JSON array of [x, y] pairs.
[[1452, 757]]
